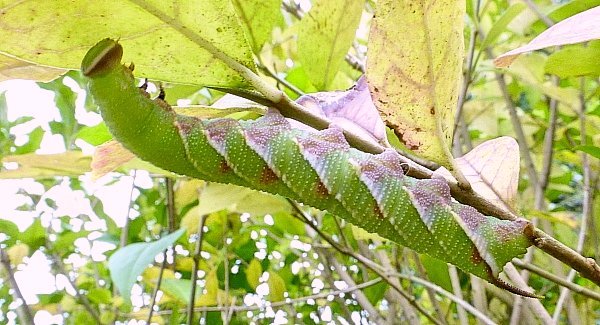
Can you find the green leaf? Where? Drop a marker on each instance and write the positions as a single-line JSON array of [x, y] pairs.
[[35, 138], [179, 289], [100, 296], [253, 272], [11, 230], [325, 34], [165, 40], [575, 61], [34, 236], [414, 78], [590, 150], [94, 135], [258, 18], [500, 25], [127, 263], [276, 287]]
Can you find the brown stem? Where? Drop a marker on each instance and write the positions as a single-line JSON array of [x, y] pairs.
[[23, 311], [196, 257]]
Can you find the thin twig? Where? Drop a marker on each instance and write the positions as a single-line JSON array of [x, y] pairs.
[[587, 197], [196, 257], [57, 262], [558, 280], [23, 310], [468, 307], [462, 315], [368, 263], [170, 226], [241, 308]]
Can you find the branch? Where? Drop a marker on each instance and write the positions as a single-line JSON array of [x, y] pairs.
[[240, 308], [23, 311]]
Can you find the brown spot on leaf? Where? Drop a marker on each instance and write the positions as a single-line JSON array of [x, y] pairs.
[[321, 189], [267, 176], [432, 110], [406, 141]]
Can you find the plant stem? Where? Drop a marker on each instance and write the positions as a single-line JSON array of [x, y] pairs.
[[23, 310]]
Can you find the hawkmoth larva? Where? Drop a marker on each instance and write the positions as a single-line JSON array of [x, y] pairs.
[[317, 168]]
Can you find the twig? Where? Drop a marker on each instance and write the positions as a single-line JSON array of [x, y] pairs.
[[558, 280], [82, 298], [125, 230], [23, 311], [163, 265], [430, 291], [587, 197], [241, 308], [170, 226], [448, 295], [462, 315], [535, 304], [197, 251]]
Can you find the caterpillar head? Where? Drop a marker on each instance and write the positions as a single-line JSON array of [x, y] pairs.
[[102, 58]]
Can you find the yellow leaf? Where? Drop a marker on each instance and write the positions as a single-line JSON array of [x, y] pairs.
[[414, 77], [70, 163], [17, 252], [211, 289], [276, 287], [150, 275], [186, 192], [361, 234], [253, 272]]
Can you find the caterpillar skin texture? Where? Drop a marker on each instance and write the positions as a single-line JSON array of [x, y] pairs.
[[319, 169]]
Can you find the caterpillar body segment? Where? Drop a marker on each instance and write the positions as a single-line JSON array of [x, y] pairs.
[[317, 168]]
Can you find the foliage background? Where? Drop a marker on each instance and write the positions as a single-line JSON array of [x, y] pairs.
[[262, 260]]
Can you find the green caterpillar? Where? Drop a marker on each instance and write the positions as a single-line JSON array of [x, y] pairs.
[[316, 168]]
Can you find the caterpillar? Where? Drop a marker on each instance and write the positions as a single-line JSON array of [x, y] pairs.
[[317, 168]]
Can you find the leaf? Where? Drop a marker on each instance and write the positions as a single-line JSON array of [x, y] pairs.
[[258, 18], [582, 27], [324, 35], [165, 40], [492, 168], [70, 163], [253, 273], [127, 263], [35, 139], [216, 197], [575, 61], [276, 287], [500, 25], [94, 135], [414, 78], [13, 68], [590, 150], [100, 296], [352, 109], [179, 289], [361, 234], [108, 157]]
